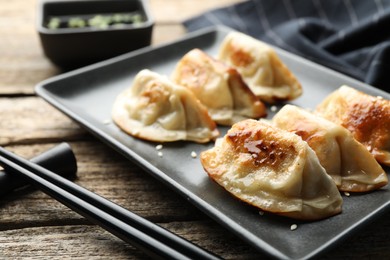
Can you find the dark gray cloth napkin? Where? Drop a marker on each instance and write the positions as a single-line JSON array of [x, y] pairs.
[[350, 36]]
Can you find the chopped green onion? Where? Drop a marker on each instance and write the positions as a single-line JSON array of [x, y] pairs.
[[76, 22], [54, 23], [98, 21]]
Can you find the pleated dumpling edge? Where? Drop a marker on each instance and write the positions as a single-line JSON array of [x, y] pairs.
[[219, 87], [366, 117], [346, 160], [273, 170], [155, 109], [261, 68]]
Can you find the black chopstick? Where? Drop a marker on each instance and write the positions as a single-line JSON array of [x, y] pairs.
[[145, 235]]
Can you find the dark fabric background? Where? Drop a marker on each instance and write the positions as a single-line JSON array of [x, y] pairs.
[[350, 36]]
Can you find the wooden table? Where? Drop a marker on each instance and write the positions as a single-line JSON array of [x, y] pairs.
[[34, 225]]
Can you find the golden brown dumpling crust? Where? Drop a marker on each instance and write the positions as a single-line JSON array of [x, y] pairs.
[[367, 117], [261, 68], [219, 87], [346, 160], [155, 109], [273, 170]]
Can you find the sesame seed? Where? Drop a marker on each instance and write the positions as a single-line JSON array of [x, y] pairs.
[[293, 227], [347, 194], [274, 108], [193, 154], [159, 147], [160, 154]]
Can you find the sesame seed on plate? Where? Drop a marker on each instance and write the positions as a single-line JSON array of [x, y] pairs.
[[293, 227], [193, 154]]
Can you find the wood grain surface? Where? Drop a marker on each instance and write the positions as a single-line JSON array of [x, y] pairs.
[[34, 226]]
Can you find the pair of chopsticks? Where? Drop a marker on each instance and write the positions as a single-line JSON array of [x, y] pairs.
[[141, 233]]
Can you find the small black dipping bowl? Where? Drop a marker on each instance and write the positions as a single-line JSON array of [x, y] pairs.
[[71, 48]]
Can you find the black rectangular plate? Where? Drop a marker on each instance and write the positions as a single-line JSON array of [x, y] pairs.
[[86, 95]]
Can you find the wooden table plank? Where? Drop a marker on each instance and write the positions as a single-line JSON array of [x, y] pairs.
[[22, 63], [32, 120], [174, 11], [57, 242]]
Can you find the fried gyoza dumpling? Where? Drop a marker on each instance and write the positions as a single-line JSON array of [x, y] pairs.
[[155, 109], [219, 87], [272, 169], [367, 117], [347, 161], [261, 68]]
